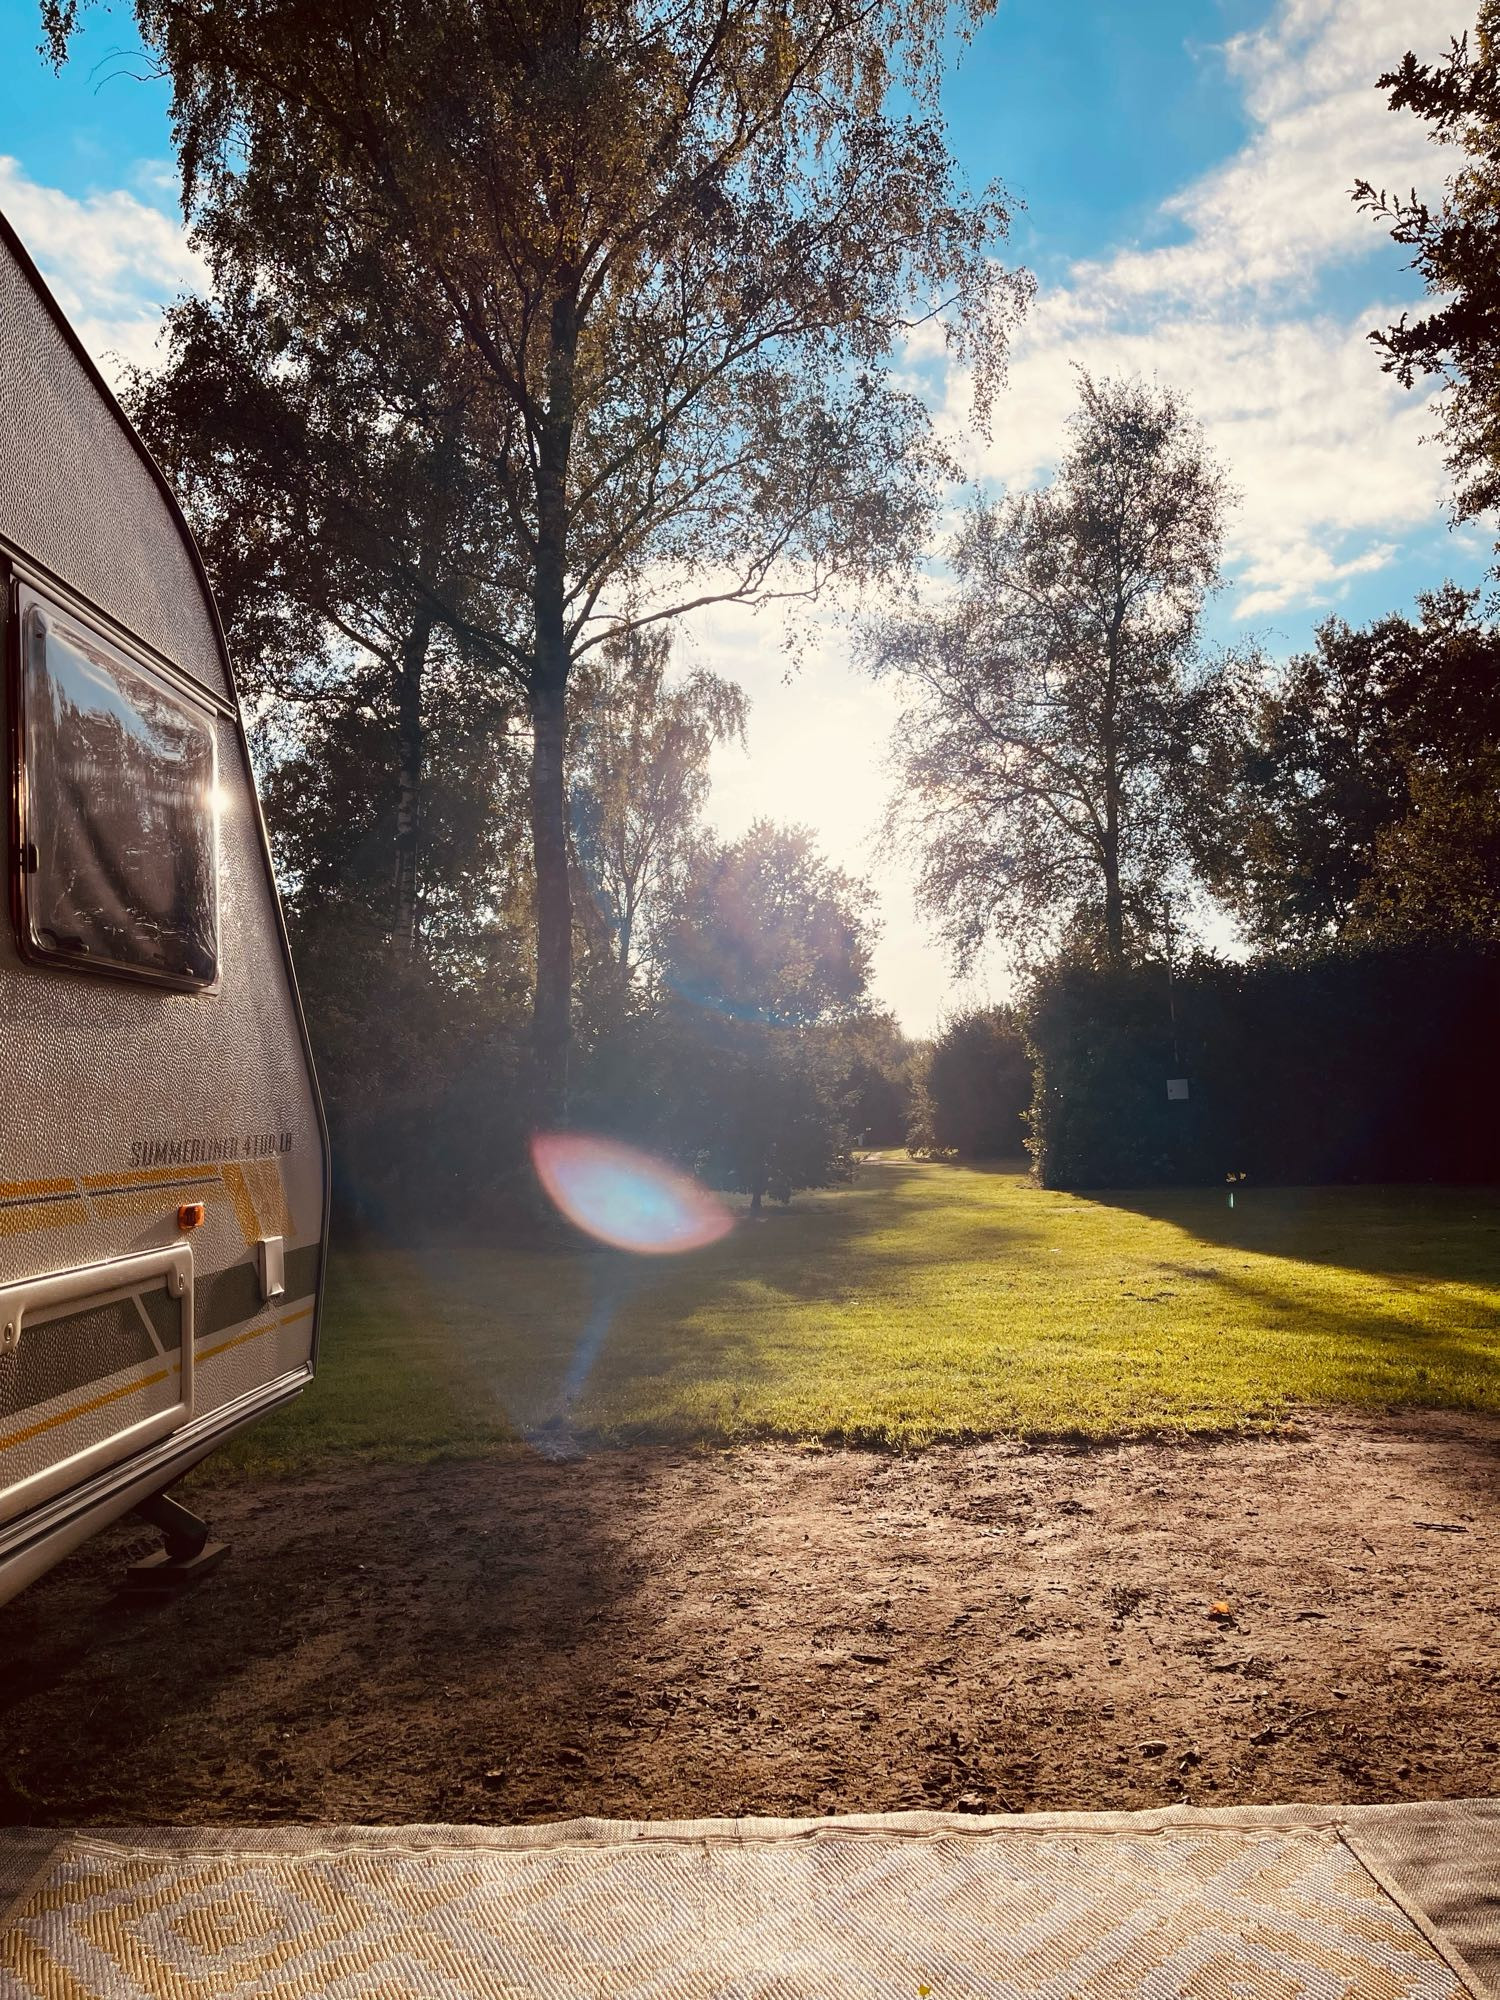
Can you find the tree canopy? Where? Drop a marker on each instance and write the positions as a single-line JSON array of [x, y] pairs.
[[639, 783], [976, 1087], [765, 960], [766, 930], [1060, 715], [1455, 247], [1362, 800], [323, 473]]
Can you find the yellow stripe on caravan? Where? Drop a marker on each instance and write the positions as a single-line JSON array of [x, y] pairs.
[[20, 1218], [146, 1381], [260, 1205], [254, 1333], [133, 1201], [208, 1353], [150, 1176], [50, 1204], [26, 1221], [85, 1409], [244, 1206], [118, 1201], [268, 1192]]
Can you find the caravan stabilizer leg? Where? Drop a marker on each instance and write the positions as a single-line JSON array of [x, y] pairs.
[[188, 1553]]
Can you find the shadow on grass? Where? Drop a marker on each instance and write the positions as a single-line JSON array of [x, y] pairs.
[[1389, 1350], [1447, 1235], [457, 1347], [903, 1307]]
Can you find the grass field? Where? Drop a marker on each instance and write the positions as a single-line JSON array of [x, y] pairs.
[[927, 1302]]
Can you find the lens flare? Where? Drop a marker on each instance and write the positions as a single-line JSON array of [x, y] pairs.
[[625, 1197]]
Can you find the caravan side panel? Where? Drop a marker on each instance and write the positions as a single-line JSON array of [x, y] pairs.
[[77, 494], [132, 1334]]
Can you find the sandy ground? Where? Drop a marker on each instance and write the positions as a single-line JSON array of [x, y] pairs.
[[650, 1633]]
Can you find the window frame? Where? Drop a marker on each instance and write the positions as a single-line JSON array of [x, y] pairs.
[[26, 603]]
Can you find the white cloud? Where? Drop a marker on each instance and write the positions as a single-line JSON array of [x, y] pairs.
[[1307, 575], [1327, 451], [1279, 211], [112, 260]]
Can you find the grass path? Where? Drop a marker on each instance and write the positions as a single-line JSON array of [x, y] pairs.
[[926, 1302]]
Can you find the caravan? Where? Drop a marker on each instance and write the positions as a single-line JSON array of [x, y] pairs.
[[163, 1159]]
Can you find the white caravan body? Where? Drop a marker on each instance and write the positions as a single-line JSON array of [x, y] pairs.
[[163, 1157]]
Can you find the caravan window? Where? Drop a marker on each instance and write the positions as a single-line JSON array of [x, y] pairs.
[[118, 834]]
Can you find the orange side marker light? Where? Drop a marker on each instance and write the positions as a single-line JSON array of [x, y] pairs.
[[190, 1215]]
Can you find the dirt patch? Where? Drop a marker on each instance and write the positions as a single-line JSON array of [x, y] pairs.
[[648, 1633]]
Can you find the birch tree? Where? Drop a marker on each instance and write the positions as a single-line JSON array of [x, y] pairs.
[[1061, 717]]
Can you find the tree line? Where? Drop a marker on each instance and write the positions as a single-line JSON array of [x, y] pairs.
[[1088, 787], [530, 329]]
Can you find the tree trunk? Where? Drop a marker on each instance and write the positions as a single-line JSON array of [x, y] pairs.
[[622, 941], [409, 781], [552, 1009], [1114, 901], [551, 1019]]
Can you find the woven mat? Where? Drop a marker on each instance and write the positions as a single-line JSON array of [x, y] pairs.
[[1271, 1905]]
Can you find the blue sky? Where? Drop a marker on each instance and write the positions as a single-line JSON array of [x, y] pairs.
[[1050, 101], [1184, 165], [91, 127]]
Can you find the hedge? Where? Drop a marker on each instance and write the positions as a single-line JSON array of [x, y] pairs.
[[1355, 1065]]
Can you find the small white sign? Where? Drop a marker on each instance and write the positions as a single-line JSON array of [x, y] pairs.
[[1177, 1089]]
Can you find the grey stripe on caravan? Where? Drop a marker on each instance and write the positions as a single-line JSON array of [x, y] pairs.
[[125, 1187], [228, 1297], [78, 1349], [154, 1187], [46, 1370]]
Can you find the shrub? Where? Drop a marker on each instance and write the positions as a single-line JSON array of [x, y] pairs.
[[976, 1088]]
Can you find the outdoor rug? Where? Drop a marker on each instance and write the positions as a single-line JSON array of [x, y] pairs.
[[1270, 1903]]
